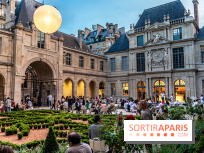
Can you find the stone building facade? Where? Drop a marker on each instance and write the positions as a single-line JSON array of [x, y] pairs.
[[163, 53], [37, 64], [100, 39]]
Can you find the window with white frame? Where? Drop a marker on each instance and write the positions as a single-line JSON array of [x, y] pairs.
[[124, 63], [112, 61]]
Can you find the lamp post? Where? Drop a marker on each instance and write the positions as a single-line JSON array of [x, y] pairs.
[[47, 19]]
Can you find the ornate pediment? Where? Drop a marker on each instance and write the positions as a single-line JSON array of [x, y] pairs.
[[158, 39], [156, 26]]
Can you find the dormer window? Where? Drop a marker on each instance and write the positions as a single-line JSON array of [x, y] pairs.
[[110, 34], [94, 33], [140, 41]]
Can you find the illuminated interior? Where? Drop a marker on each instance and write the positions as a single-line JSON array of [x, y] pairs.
[[125, 89], [80, 88], [160, 87], [92, 89], [101, 89], [67, 88], [180, 91], [141, 86]]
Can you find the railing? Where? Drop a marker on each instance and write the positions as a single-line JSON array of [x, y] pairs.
[[139, 30], [177, 21]]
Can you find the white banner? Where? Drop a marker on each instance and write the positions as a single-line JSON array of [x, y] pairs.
[[158, 130]]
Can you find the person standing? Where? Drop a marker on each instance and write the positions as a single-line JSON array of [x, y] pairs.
[[157, 96], [143, 95], [172, 98], [49, 100], [162, 96], [39, 100], [95, 130], [201, 99], [8, 104], [153, 96], [139, 95], [77, 105]]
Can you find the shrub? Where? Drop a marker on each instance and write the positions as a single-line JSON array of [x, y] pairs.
[[56, 127], [47, 125], [50, 145], [20, 135], [39, 126], [56, 121], [65, 126], [9, 131], [14, 129], [43, 126], [3, 129], [61, 127], [51, 123], [25, 132], [64, 134], [35, 126], [31, 126], [61, 133], [56, 133]]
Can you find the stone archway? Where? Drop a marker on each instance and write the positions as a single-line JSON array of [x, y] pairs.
[[2, 88], [68, 88], [81, 89], [39, 81]]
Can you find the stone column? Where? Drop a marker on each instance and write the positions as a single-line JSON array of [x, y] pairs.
[[147, 88], [74, 90], [134, 89], [167, 87], [97, 89], [150, 87]]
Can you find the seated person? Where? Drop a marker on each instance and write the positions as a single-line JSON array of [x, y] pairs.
[[103, 106], [111, 106], [23, 106], [95, 108], [29, 104], [135, 107]]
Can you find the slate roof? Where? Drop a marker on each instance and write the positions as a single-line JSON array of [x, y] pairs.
[[72, 42], [200, 33], [3, 1], [175, 10], [24, 14], [121, 44], [103, 33]]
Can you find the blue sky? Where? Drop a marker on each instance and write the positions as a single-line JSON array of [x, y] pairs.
[[78, 14]]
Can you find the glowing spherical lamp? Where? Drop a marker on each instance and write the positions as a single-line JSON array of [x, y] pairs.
[[47, 19]]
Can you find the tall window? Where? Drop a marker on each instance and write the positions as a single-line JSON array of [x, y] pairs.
[[92, 40], [125, 89], [110, 34], [101, 65], [140, 41], [81, 61], [68, 59], [90, 46], [113, 89], [141, 62], [92, 63], [112, 60], [177, 34], [124, 63], [0, 44], [98, 45], [202, 54], [178, 58], [41, 39]]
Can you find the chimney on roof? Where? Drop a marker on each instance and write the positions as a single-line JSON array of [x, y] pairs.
[[87, 32], [80, 33], [99, 28], [116, 27], [168, 17], [130, 26], [10, 14], [196, 16], [148, 22]]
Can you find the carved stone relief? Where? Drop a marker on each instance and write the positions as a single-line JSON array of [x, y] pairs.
[[18, 70]]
